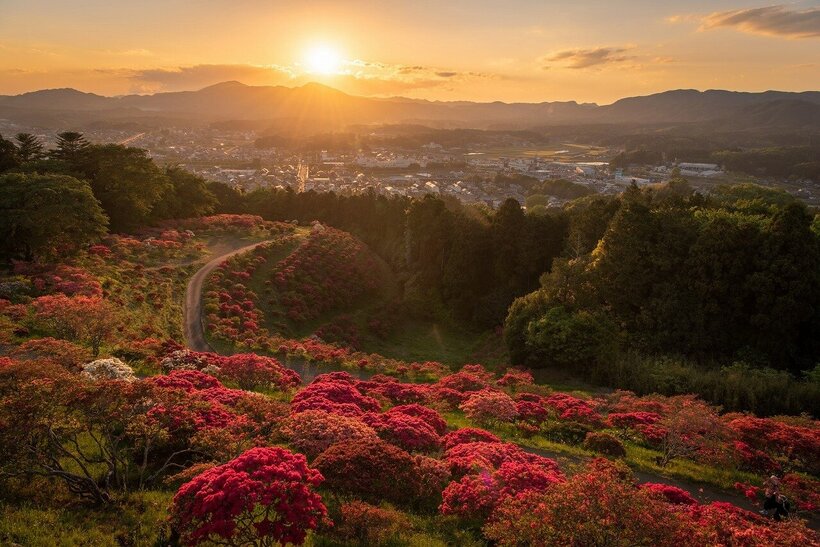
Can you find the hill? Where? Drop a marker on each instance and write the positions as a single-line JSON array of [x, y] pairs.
[[314, 104]]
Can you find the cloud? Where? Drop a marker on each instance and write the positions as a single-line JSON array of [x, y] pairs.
[[587, 58], [769, 21]]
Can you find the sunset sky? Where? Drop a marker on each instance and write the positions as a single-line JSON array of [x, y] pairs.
[[513, 50]]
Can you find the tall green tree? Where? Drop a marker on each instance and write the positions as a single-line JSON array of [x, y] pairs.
[[29, 147], [127, 182], [8, 155], [43, 216], [72, 148]]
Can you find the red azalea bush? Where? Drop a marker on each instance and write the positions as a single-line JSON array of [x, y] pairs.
[[404, 430], [487, 407], [317, 394], [397, 393], [570, 408], [533, 413], [468, 435], [377, 470], [62, 352], [672, 494], [721, 523], [253, 371], [798, 445], [515, 378], [426, 414], [596, 507], [314, 431], [475, 496], [472, 457], [263, 497], [631, 420]]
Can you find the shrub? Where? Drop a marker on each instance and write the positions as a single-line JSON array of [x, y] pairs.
[[595, 507], [487, 407], [408, 432], [108, 369], [468, 435], [426, 414], [671, 494], [314, 431], [253, 371], [566, 432], [604, 443], [367, 524], [373, 469], [263, 496]]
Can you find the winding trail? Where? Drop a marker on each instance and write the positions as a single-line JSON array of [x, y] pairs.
[[195, 338], [192, 309]]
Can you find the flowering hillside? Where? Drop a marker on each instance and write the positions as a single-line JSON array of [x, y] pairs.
[[110, 427]]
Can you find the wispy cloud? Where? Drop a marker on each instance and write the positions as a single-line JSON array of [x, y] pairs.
[[587, 58], [770, 21]]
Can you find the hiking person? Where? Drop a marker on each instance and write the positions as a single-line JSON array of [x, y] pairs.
[[775, 503]]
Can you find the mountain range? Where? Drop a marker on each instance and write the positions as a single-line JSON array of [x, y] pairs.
[[324, 108]]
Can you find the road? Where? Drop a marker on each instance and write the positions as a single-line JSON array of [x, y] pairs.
[[192, 309]]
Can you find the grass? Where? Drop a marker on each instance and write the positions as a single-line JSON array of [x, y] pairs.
[[135, 519]]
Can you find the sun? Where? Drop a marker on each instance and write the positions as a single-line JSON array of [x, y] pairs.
[[323, 59]]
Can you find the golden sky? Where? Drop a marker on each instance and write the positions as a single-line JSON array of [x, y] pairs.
[[513, 50]]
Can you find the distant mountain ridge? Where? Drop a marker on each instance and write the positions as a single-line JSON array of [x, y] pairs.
[[318, 104]]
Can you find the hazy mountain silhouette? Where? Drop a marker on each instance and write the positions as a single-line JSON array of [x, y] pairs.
[[314, 103]]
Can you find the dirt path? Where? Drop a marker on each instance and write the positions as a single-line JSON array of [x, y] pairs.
[[194, 332]]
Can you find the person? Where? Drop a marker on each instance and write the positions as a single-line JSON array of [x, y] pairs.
[[775, 503]]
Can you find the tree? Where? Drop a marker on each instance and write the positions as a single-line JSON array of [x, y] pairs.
[[46, 215], [85, 319], [29, 147], [126, 181], [8, 155], [71, 148], [187, 197]]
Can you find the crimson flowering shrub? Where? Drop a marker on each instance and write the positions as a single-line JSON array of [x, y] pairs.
[[314, 431], [397, 393], [475, 496], [472, 457], [622, 401], [487, 407], [751, 459], [340, 396], [693, 429], [329, 270], [720, 523], [253, 371], [515, 378], [569, 408], [795, 445], [595, 507], [465, 381], [62, 352], [375, 470], [66, 279], [468, 435], [672, 494], [631, 420], [426, 414], [186, 380], [404, 430], [263, 497], [533, 413]]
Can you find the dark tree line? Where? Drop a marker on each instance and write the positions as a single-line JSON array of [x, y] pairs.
[[734, 276], [108, 186]]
